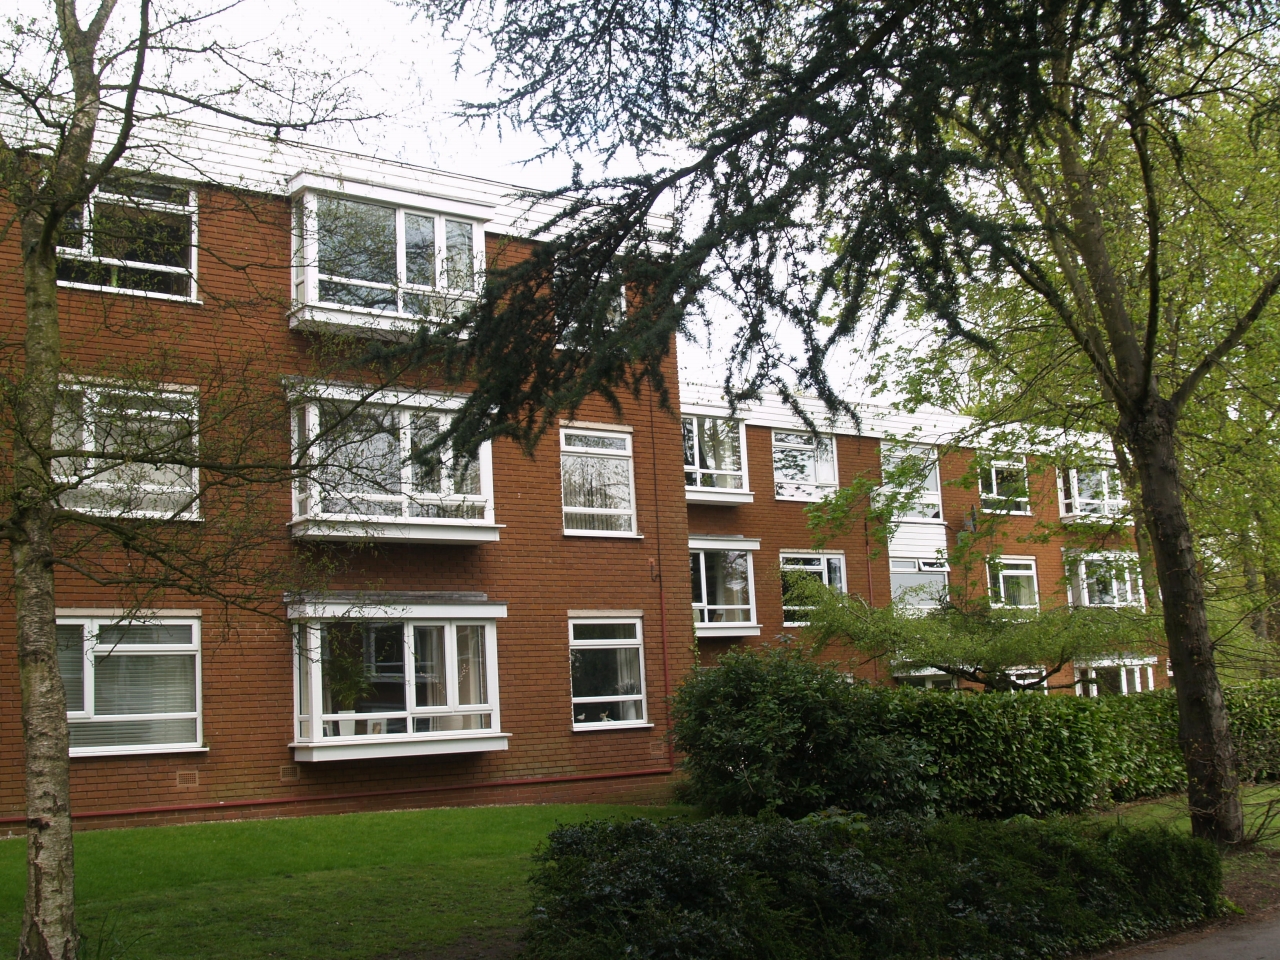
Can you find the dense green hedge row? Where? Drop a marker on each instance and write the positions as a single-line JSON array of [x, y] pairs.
[[827, 888], [774, 730]]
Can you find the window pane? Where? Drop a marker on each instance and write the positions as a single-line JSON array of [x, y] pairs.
[[835, 574], [795, 439], [606, 672], [460, 267], [426, 471], [1019, 590], [145, 633], [795, 466], [727, 584], [608, 711], [1099, 582], [457, 721], [689, 433], [127, 683], [918, 589], [135, 425], [420, 249], [596, 482], [429, 666], [357, 241], [826, 459], [589, 442], [132, 733], [604, 631], [125, 231], [362, 668], [695, 575], [472, 675], [718, 444], [358, 456], [71, 663]]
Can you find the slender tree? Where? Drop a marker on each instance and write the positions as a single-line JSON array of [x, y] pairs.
[[834, 158]]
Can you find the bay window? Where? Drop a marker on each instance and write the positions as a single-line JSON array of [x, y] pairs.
[[1092, 491], [714, 464], [824, 568], [132, 685], [804, 466], [132, 236], [366, 471], [423, 682], [597, 482], [1105, 580], [606, 658], [1118, 677]]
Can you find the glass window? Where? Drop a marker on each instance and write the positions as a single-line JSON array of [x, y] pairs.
[[712, 453], [132, 236], [596, 482], [804, 466], [370, 461], [827, 569], [1013, 582], [929, 681], [131, 687], [383, 258], [1106, 580], [1002, 486], [1092, 491], [915, 469], [396, 678], [1115, 679], [113, 445], [918, 583], [607, 673], [721, 582]]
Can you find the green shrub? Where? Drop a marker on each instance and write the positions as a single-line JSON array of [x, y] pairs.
[[831, 887], [775, 730]]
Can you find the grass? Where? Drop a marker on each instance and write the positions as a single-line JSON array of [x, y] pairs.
[[367, 885], [1261, 813]]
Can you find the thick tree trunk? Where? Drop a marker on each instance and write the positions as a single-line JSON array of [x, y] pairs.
[[48, 923], [1214, 790]]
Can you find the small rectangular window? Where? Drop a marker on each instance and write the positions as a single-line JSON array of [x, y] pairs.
[[1003, 487], [1013, 583], [827, 569], [597, 483], [919, 584], [804, 466], [712, 453], [606, 660], [721, 581], [914, 470], [133, 686], [132, 236]]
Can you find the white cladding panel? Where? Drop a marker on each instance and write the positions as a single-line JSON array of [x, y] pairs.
[[920, 541]]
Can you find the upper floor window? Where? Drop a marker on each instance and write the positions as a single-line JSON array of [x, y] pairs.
[[914, 469], [125, 452], [596, 481], [713, 453], [132, 237], [918, 583], [804, 465], [383, 258], [721, 581], [1002, 486], [1105, 580], [132, 686], [1013, 582], [367, 465], [824, 568], [1092, 491]]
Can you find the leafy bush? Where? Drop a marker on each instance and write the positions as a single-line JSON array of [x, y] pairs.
[[836, 887], [775, 730]]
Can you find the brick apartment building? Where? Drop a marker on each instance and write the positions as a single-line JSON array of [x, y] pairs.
[[503, 630]]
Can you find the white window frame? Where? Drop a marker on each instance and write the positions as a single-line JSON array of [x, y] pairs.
[[1070, 504], [92, 621], [95, 473], [1125, 562], [702, 545], [309, 311], [801, 491], [1024, 564], [309, 523], [611, 644], [920, 565], [988, 490], [696, 493], [612, 433], [190, 209], [926, 498], [826, 556], [929, 678], [1142, 667], [309, 616]]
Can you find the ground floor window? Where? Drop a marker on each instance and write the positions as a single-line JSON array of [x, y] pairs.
[[395, 679], [929, 681], [918, 583], [1116, 677], [606, 658], [825, 568], [132, 685]]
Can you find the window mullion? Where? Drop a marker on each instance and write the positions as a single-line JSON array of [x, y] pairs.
[[404, 419], [410, 674]]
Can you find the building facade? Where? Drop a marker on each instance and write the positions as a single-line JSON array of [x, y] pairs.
[[501, 629]]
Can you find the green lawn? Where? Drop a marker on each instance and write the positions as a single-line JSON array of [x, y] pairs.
[[370, 885], [1261, 812]]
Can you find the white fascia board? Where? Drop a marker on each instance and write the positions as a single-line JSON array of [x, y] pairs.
[[722, 495], [431, 202], [299, 389], [438, 532], [727, 629], [308, 752], [697, 542], [352, 610]]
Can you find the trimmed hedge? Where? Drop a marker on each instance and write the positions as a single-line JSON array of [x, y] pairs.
[[835, 887], [774, 730]]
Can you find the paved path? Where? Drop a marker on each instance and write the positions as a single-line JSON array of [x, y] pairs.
[[1259, 940]]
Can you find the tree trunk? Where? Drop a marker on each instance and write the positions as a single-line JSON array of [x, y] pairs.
[[1213, 787], [48, 922]]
